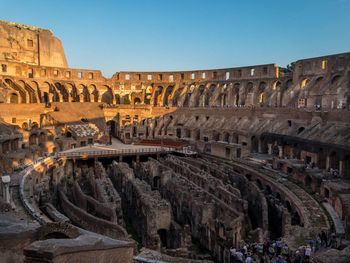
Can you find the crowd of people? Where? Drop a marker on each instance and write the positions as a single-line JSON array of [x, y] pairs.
[[278, 251]]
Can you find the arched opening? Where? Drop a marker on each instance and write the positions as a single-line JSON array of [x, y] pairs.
[[333, 160], [261, 90], [86, 94], [225, 137], [209, 94], [268, 190], [18, 89], [178, 133], [148, 95], [112, 128], [156, 182], [289, 207], [167, 95], [137, 101], [187, 99], [295, 219], [14, 98], [33, 139], [157, 96], [163, 237], [42, 138], [197, 135], [254, 144], [335, 79], [62, 89], [35, 125], [235, 138], [236, 87], [93, 93], [107, 96], [201, 96], [326, 192], [25, 126], [216, 136], [117, 99], [126, 99], [303, 83]]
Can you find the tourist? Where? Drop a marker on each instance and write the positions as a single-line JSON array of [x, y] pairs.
[[285, 250], [279, 245], [232, 254], [318, 243], [308, 253], [271, 252], [239, 256], [248, 259]]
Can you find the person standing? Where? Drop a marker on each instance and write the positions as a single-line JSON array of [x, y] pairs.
[[308, 253]]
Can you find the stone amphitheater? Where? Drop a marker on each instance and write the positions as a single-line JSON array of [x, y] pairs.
[[170, 166]]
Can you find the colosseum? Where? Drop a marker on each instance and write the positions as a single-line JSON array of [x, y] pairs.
[[186, 166]]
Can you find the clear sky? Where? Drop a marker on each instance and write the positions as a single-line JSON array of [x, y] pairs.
[[164, 35]]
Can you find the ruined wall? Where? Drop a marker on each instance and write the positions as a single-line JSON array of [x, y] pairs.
[[31, 45], [145, 208], [90, 222]]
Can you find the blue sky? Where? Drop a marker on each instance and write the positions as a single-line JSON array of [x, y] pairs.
[[165, 35]]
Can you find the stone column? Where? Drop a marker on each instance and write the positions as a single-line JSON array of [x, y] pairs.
[[328, 163], [5, 180], [280, 151], [259, 147], [269, 145], [341, 168]]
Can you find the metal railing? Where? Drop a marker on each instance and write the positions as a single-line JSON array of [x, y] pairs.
[[116, 152]]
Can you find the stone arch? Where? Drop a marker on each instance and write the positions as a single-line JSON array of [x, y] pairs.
[[42, 138], [333, 160], [235, 138], [13, 98], [107, 96], [254, 144], [187, 98], [246, 93], [137, 101], [33, 138], [200, 101], [261, 93], [37, 90], [29, 90], [63, 90], [117, 98], [236, 88], [335, 79], [94, 94], [18, 89], [126, 99], [209, 93], [157, 96], [148, 95], [85, 93], [167, 95], [276, 96], [225, 137]]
